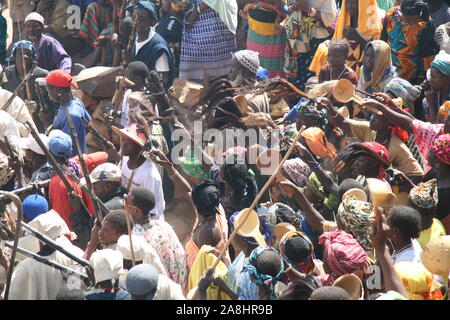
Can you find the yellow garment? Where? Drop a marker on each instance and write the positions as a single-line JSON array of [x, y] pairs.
[[418, 281], [369, 20], [264, 28], [434, 232], [320, 57], [204, 260], [383, 61]]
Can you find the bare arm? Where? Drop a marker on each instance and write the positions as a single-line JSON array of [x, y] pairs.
[[399, 119], [313, 217], [379, 234]]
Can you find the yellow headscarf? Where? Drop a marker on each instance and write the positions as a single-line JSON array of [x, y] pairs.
[[383, 61], [369, 20], [418, 281]]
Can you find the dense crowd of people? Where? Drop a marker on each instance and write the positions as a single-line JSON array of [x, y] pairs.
[[343, 195]]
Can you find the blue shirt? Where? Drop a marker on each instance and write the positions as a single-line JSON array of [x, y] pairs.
[[77, 111]]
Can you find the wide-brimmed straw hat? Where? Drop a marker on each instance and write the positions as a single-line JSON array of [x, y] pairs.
[[133, 133]]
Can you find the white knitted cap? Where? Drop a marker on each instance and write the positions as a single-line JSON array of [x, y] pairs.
[[249, 59], [34, 16]]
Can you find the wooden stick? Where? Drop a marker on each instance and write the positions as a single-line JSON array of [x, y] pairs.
[[18, 204], [258, 197], [364, 92], [127, 215]]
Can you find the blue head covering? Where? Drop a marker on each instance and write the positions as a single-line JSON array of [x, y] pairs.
[[442, 63], [34, 205], [60, 145], [267, 232], [146, 5], [405, 90], [141, 280], [22, 44], [261, 278], [262, 74]]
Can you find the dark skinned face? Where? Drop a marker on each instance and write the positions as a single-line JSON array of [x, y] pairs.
[[337, 57], [34, 30], [369, 58], [107, 233], [363, 165], [129, 147], [378, 123], [23, 57], [136, 79], [102, 188], [143, 21], [437, 79]]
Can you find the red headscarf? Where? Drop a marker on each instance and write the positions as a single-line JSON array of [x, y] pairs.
[[380, 153], [342, 253]]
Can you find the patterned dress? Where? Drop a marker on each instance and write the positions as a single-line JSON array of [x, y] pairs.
[[206, 48], [161, 236], [412, 46]]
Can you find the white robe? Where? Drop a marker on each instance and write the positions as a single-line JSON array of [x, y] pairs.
[[168, 290], [33, 280]]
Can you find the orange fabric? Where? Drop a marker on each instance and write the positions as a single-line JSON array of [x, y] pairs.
[[191, 249], [369, 20], [318, 144], [92, 160]]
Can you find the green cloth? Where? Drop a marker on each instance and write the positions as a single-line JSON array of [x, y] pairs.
[[193, 167], [385, 4], [329, 200]]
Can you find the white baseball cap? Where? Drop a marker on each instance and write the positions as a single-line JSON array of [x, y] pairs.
[[29, 143]]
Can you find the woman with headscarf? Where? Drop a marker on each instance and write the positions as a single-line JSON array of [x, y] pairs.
[[238, 188], [359, 21], [440, 152], [265, 267], [238, 280], [210, 227], [377, 69], [409, 32], [266, 36], [418, 281], [424, 198], [311, 23], [354, 217], [438, 77], [401, 88], [208, 39], [21, 61], [342, 254], [297, 249]]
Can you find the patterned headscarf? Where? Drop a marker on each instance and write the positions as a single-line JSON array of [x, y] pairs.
[[355, 215], [425, 195], [308, 108], [305, 266], [418, 281], [297, 171], [25, 45], [193, 167], [342, 253], [403, 89], [181, 5], [441, 148], [260, 278]]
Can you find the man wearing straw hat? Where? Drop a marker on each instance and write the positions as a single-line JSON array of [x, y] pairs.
[[136, 170]]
